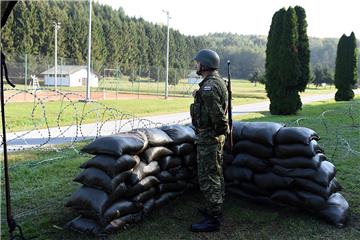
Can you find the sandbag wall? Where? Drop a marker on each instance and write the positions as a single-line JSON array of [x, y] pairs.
[[279, 165], [130, 175]]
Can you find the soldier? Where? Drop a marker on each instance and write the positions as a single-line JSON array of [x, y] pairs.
[[208, 114]]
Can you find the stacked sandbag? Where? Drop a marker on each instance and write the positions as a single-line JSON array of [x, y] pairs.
[[130, 175], [285, 165], [100, 200], [253, 147], [298, 156]]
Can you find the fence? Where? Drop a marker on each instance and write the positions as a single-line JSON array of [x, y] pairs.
[[113, 79]]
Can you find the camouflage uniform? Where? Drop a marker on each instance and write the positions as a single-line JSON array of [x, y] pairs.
[[208, 113]]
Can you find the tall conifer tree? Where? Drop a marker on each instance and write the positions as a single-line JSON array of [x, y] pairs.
[[346, 72]]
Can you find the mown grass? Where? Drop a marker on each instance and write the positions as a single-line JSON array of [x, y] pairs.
[[45, 187], [35, 115]]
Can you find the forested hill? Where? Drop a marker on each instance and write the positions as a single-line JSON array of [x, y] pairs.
[[119, 40]]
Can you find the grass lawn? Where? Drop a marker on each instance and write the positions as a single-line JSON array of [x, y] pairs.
[[34, 115], [40, 189]]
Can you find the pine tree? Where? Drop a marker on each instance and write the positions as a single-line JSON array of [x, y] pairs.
[[346, 67]]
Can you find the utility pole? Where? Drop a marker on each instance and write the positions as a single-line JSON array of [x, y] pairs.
[[167, 56], [57, 27], [87, 98]]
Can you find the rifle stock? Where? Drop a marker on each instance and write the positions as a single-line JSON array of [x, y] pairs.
[[230, 135]]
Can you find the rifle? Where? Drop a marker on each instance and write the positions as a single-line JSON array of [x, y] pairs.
[[230, 135]]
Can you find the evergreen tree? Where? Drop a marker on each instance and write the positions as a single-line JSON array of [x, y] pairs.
[[346, 67], [272, 62], [303, 49], [287, 61]]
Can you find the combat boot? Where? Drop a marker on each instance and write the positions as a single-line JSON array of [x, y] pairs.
[[207, 224]]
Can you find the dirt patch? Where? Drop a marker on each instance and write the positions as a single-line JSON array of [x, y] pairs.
[[44, 95]]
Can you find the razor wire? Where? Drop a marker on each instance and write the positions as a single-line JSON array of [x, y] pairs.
[[106, 117]]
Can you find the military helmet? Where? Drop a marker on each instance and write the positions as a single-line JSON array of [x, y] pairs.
[[208, 58]]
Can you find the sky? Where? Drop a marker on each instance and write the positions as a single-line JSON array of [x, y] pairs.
[[326, 18]]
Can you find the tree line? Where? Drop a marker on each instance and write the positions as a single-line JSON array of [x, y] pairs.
[[127, 42]]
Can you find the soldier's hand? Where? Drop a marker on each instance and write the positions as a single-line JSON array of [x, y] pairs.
[[194, 92]]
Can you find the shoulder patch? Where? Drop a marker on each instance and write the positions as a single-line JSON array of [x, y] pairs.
[[207, 88]]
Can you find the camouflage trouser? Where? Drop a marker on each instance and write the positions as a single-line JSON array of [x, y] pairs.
[[210, 175]]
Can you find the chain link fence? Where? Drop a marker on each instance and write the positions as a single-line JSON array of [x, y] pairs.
[[113, 81]]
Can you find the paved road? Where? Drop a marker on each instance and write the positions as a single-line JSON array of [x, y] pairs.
[[21, 140]]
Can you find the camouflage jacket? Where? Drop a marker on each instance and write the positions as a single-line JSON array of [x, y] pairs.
[[208, 112]]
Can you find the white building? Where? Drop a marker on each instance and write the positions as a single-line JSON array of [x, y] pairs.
[[193, 78], [71, 76]]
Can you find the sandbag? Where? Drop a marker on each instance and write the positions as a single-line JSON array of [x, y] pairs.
[[183, 149], [323, 175], [143, 185], [125, 162], [287, 197], [96, 178], [155, 153], [121, 222], [102, 162], [228, 158], [117, 145], [165, 177], [166, 198], [255, 149], [237, 130], [253, 189], [336, 210], [180, 133], [299, 161], [121, 208], [185, 173], [142, 170], [302, 135], [121, 177], [88, 201], [249, 161], [168, 162], [84, 225], [296, 150], [254, 199], [311, 200], [156, 136], [144, 196], [149, 205], [313, 187], [171, 187], [120, 191], [270, 181], [261, 132], [189, 159], [238, 173]]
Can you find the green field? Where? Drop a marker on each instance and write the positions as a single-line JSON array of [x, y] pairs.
[[35, 115], [40, 189]]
